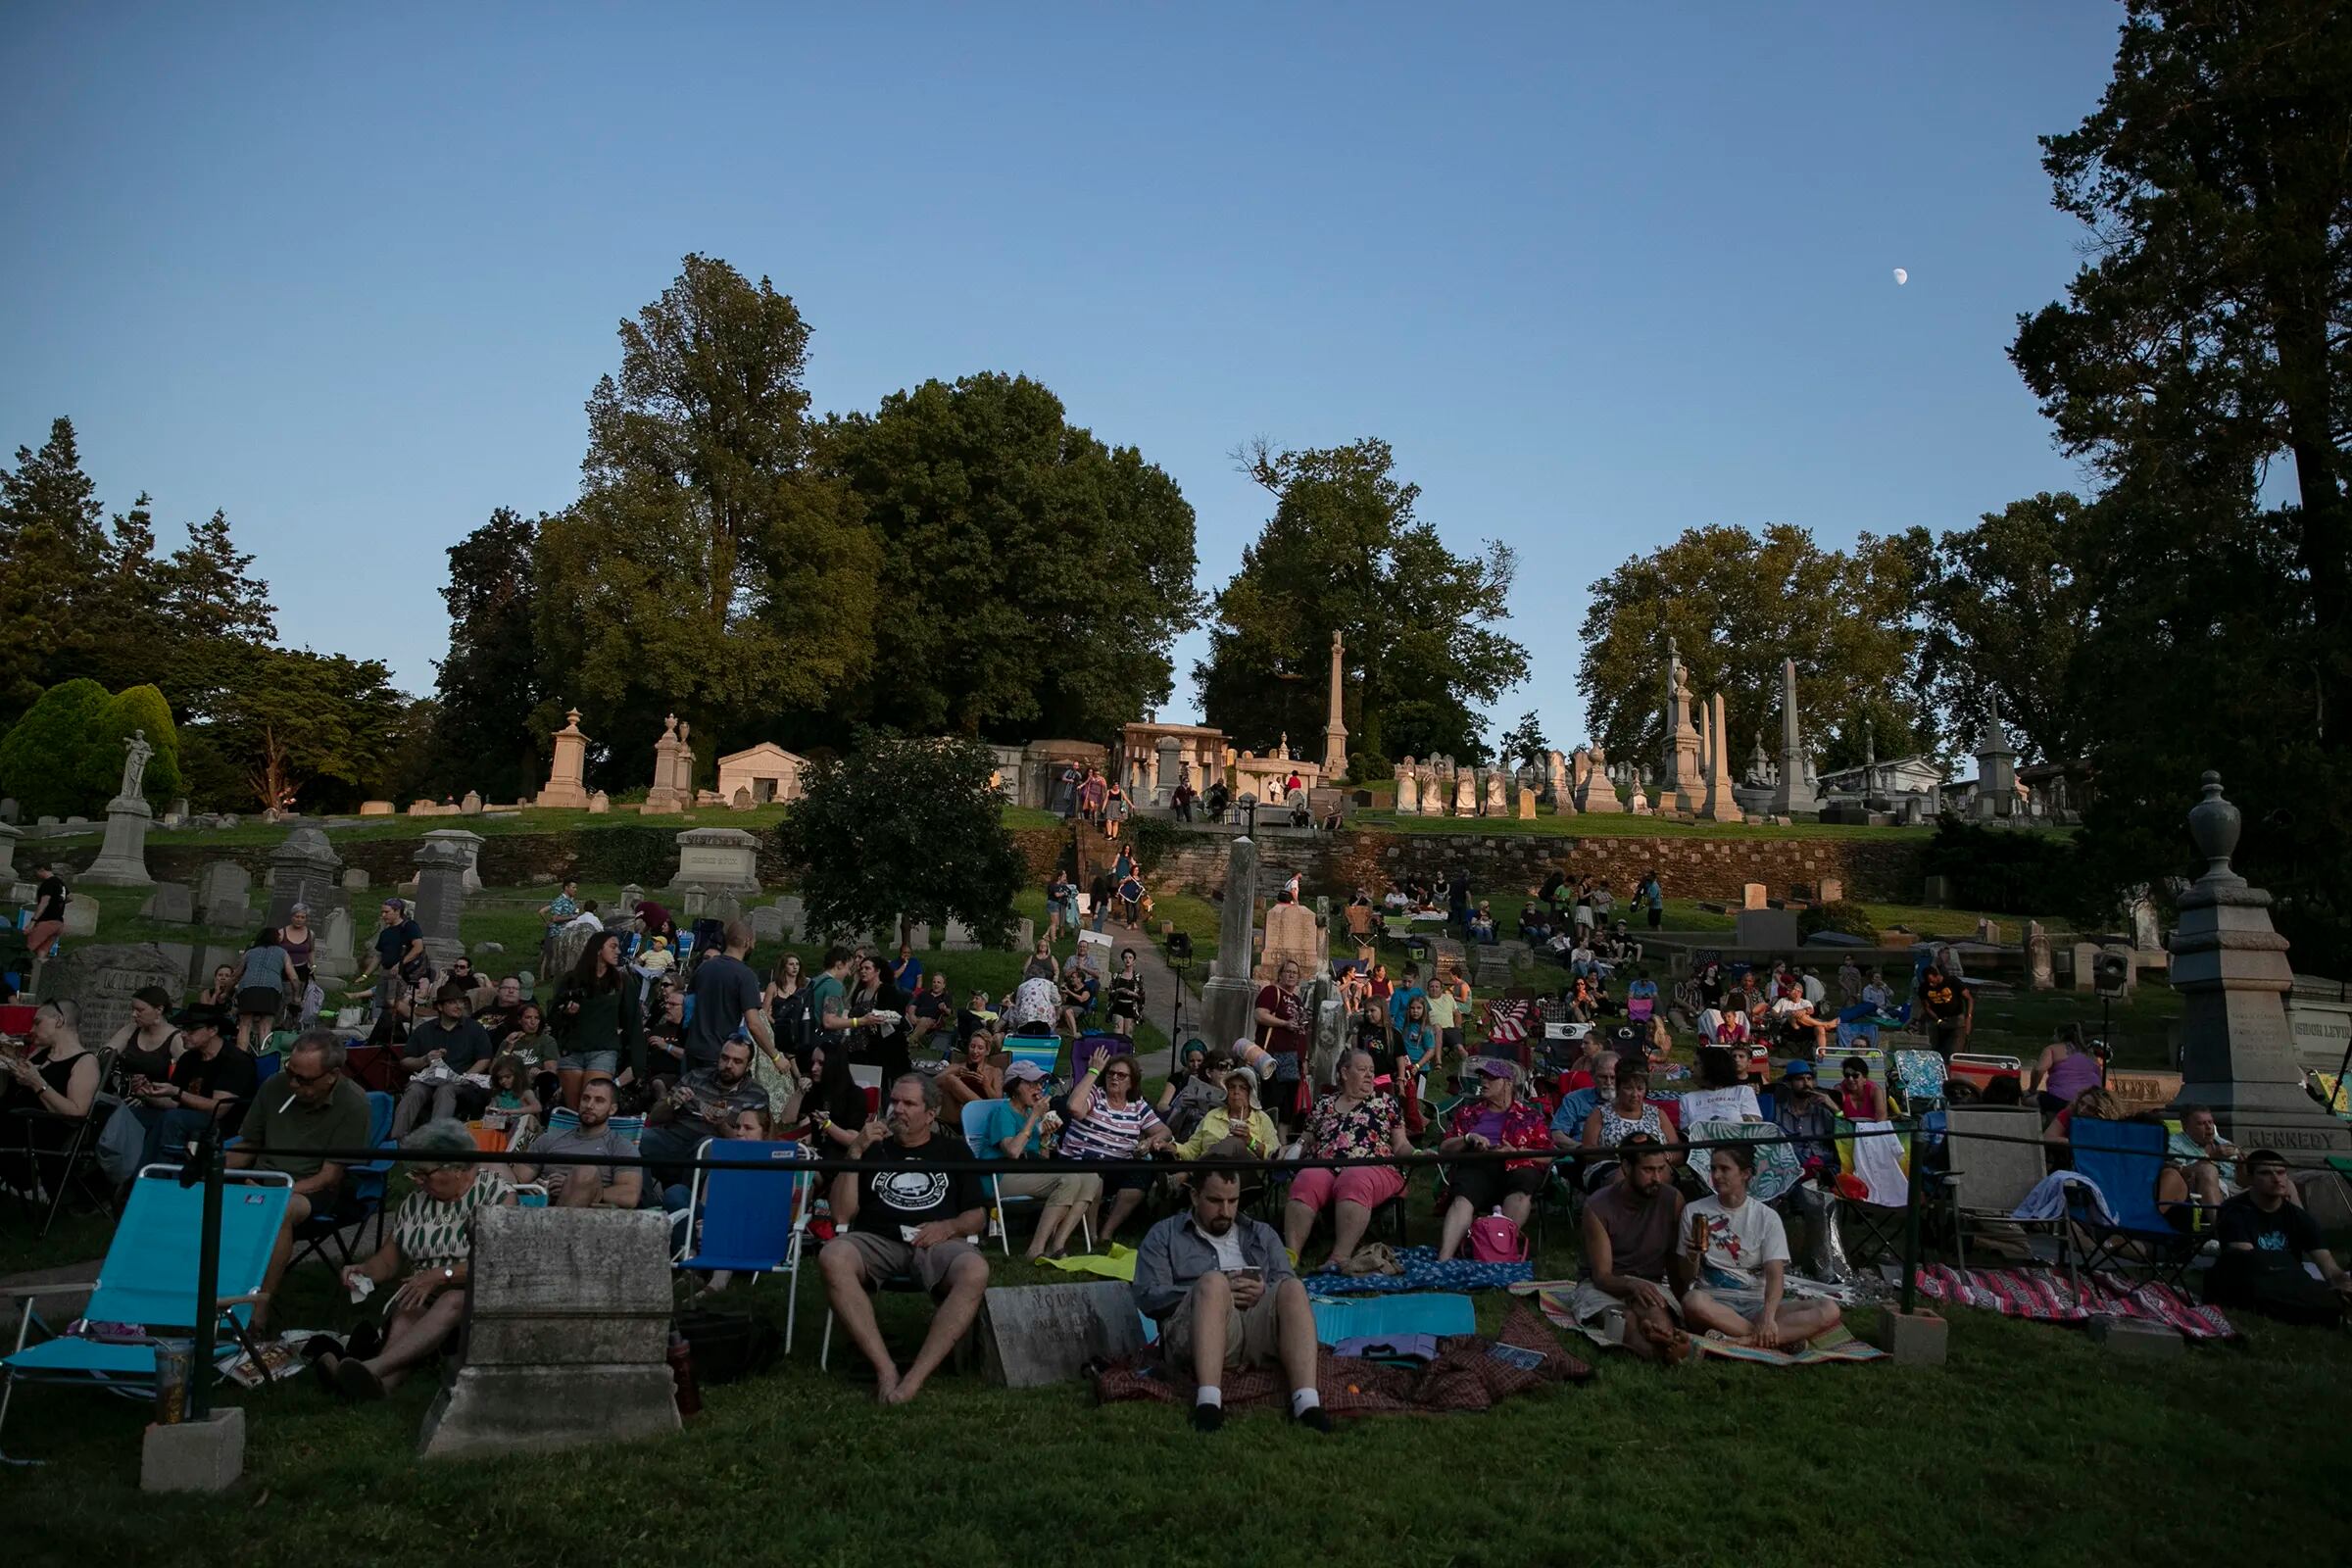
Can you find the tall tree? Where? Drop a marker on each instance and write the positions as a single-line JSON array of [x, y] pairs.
[[1345, 551], [705, 566], [294, 726], [1034, 579], [493, 707], [1736, 603], [2209, 333], [2212, 330], [2007, 604], [905, 827], [53, 548]]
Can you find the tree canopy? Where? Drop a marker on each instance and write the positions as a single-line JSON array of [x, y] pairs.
[[494, 709], [1737, 602], [2007, 604], [905, 827], [1032, 577], [1345, 551]]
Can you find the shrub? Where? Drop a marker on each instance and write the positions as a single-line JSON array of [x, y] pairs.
[[2007, 870], [1849, 919], [38, 756], [98, 769]]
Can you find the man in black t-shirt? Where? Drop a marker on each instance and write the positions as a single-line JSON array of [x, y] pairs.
[[210, 1074], [726, 1000], [48, 911], [2265, 1241], [901, 1219]]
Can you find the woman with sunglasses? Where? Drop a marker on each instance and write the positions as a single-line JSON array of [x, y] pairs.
[[1858, 1096]]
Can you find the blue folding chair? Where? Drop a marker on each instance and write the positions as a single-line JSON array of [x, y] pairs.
[[1041, 1051], [148, 1282], [2123, 1160], [975, 1134], [362, 1197], [737, 1222]]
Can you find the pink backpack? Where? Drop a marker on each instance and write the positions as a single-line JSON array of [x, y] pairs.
[[1494, 1239]]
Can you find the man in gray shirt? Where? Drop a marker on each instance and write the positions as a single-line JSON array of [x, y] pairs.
[[1223, 1293], [586, 1185]]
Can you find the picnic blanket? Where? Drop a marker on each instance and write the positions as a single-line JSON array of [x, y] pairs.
[[1422, 1272], [1118, 1263], [2048, 1296], [1557, 1298], [1472, 1372]]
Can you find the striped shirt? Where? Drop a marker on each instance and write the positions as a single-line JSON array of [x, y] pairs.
[[1107, 1131]]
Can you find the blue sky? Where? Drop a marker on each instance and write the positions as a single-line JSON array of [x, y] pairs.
[[1599, 273]]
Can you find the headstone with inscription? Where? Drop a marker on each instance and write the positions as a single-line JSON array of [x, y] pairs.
[[100, 978]]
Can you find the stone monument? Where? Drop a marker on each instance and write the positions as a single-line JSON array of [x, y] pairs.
[[568, 1335], [1795, 792], [1597, 796], [1230, 995], [1166, 759], [1408, 790], [1996, 772], [1432, 790], [330, 956], [1719, 805], [1679, 787], [122, 857], [100, 978], [666, 797], [717, 859], [567, 775], [468, 843], [1466, 791], [304, 870], [440, 900], [220, 895], [2229, 965], [1335, 732], [1292, 934]]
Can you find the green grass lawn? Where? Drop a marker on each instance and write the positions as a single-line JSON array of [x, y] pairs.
[[2032, 1445]]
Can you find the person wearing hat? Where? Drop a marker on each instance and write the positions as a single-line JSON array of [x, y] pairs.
[[1807, 1116], [2265, 1238], [1499, 1117], [1018, 1126], [1236, 1117]]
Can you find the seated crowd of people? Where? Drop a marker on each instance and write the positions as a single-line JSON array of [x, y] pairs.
[[875, 1062]]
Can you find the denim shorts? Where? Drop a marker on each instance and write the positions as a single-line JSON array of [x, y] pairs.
[[589, 1061]]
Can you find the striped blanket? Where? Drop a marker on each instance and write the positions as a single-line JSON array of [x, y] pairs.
[[1423, 1272], [2046, 1296]]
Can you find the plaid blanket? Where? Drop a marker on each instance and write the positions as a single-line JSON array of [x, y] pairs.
[[1422, 1272], [2046, 1296], [1465, 1376], [1557, 1298]]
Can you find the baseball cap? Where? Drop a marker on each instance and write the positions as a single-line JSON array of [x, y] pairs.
[[1799, 1068], [203, 1018], [1496, 1067], [1026, 1072]]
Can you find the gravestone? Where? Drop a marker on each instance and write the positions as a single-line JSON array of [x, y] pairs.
[[1292, 934], [10, 811], [81, 916], [959, 938], [355, 880], [717, 859], [172, 903], [2086, 958], [1832, 890], [330, 958], [9, 835], [1766, 928], [440, 898], [599, 803], [1752, 895], [919, 935], [121, 861], [565, 944], [2038, 976], [471, 804], [1032, 1336], [1409, 789], [1495, 806], [180, 955], [564, 787], [740, 799], [568, 1335], [767, 923], [1229, 994], [304, 869], [221, 894], [378, 809], [470, 845], [100, 979], [2146, 935], [1466, 791], [1527, 804]]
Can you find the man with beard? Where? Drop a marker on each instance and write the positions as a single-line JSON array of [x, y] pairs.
[[1222, 1290], [702, 1105]]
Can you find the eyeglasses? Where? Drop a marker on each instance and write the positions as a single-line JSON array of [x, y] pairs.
[[307, 1080]]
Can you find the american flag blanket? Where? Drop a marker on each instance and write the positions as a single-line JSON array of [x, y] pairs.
[[1508, 1023]]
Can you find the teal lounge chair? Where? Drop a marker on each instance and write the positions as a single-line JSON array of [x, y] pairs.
[[147, 1285]]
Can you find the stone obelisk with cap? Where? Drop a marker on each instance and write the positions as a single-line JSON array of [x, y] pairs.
[[2229, 966], [1231, 993]]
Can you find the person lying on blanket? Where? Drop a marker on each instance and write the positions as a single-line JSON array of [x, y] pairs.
[[1732, 1260], [1223, 1293], [1630, 1229]]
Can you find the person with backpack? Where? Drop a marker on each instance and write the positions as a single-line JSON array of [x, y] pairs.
[[1501, 1191]]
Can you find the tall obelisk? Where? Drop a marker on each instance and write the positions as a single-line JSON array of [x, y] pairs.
[[1335, 733]]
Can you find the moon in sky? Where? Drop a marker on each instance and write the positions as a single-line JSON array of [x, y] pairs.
[[1901, 277]]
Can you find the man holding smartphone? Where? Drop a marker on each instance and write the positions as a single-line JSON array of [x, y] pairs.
[[1222, 1290]]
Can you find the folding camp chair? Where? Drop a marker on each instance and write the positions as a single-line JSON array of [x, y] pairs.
[[975, 1133], [1878, 1221], [744, 1219], [2123, 1160], [76, 1163], [148, 1282], [1096, 1046], [1993, 1157], [1039, 1046], [362, 1196], [1916, 1081]]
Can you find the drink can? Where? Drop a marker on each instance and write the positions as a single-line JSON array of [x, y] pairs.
[[171, 1362]]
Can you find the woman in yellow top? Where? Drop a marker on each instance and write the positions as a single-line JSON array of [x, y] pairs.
[[1237, 1118]]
